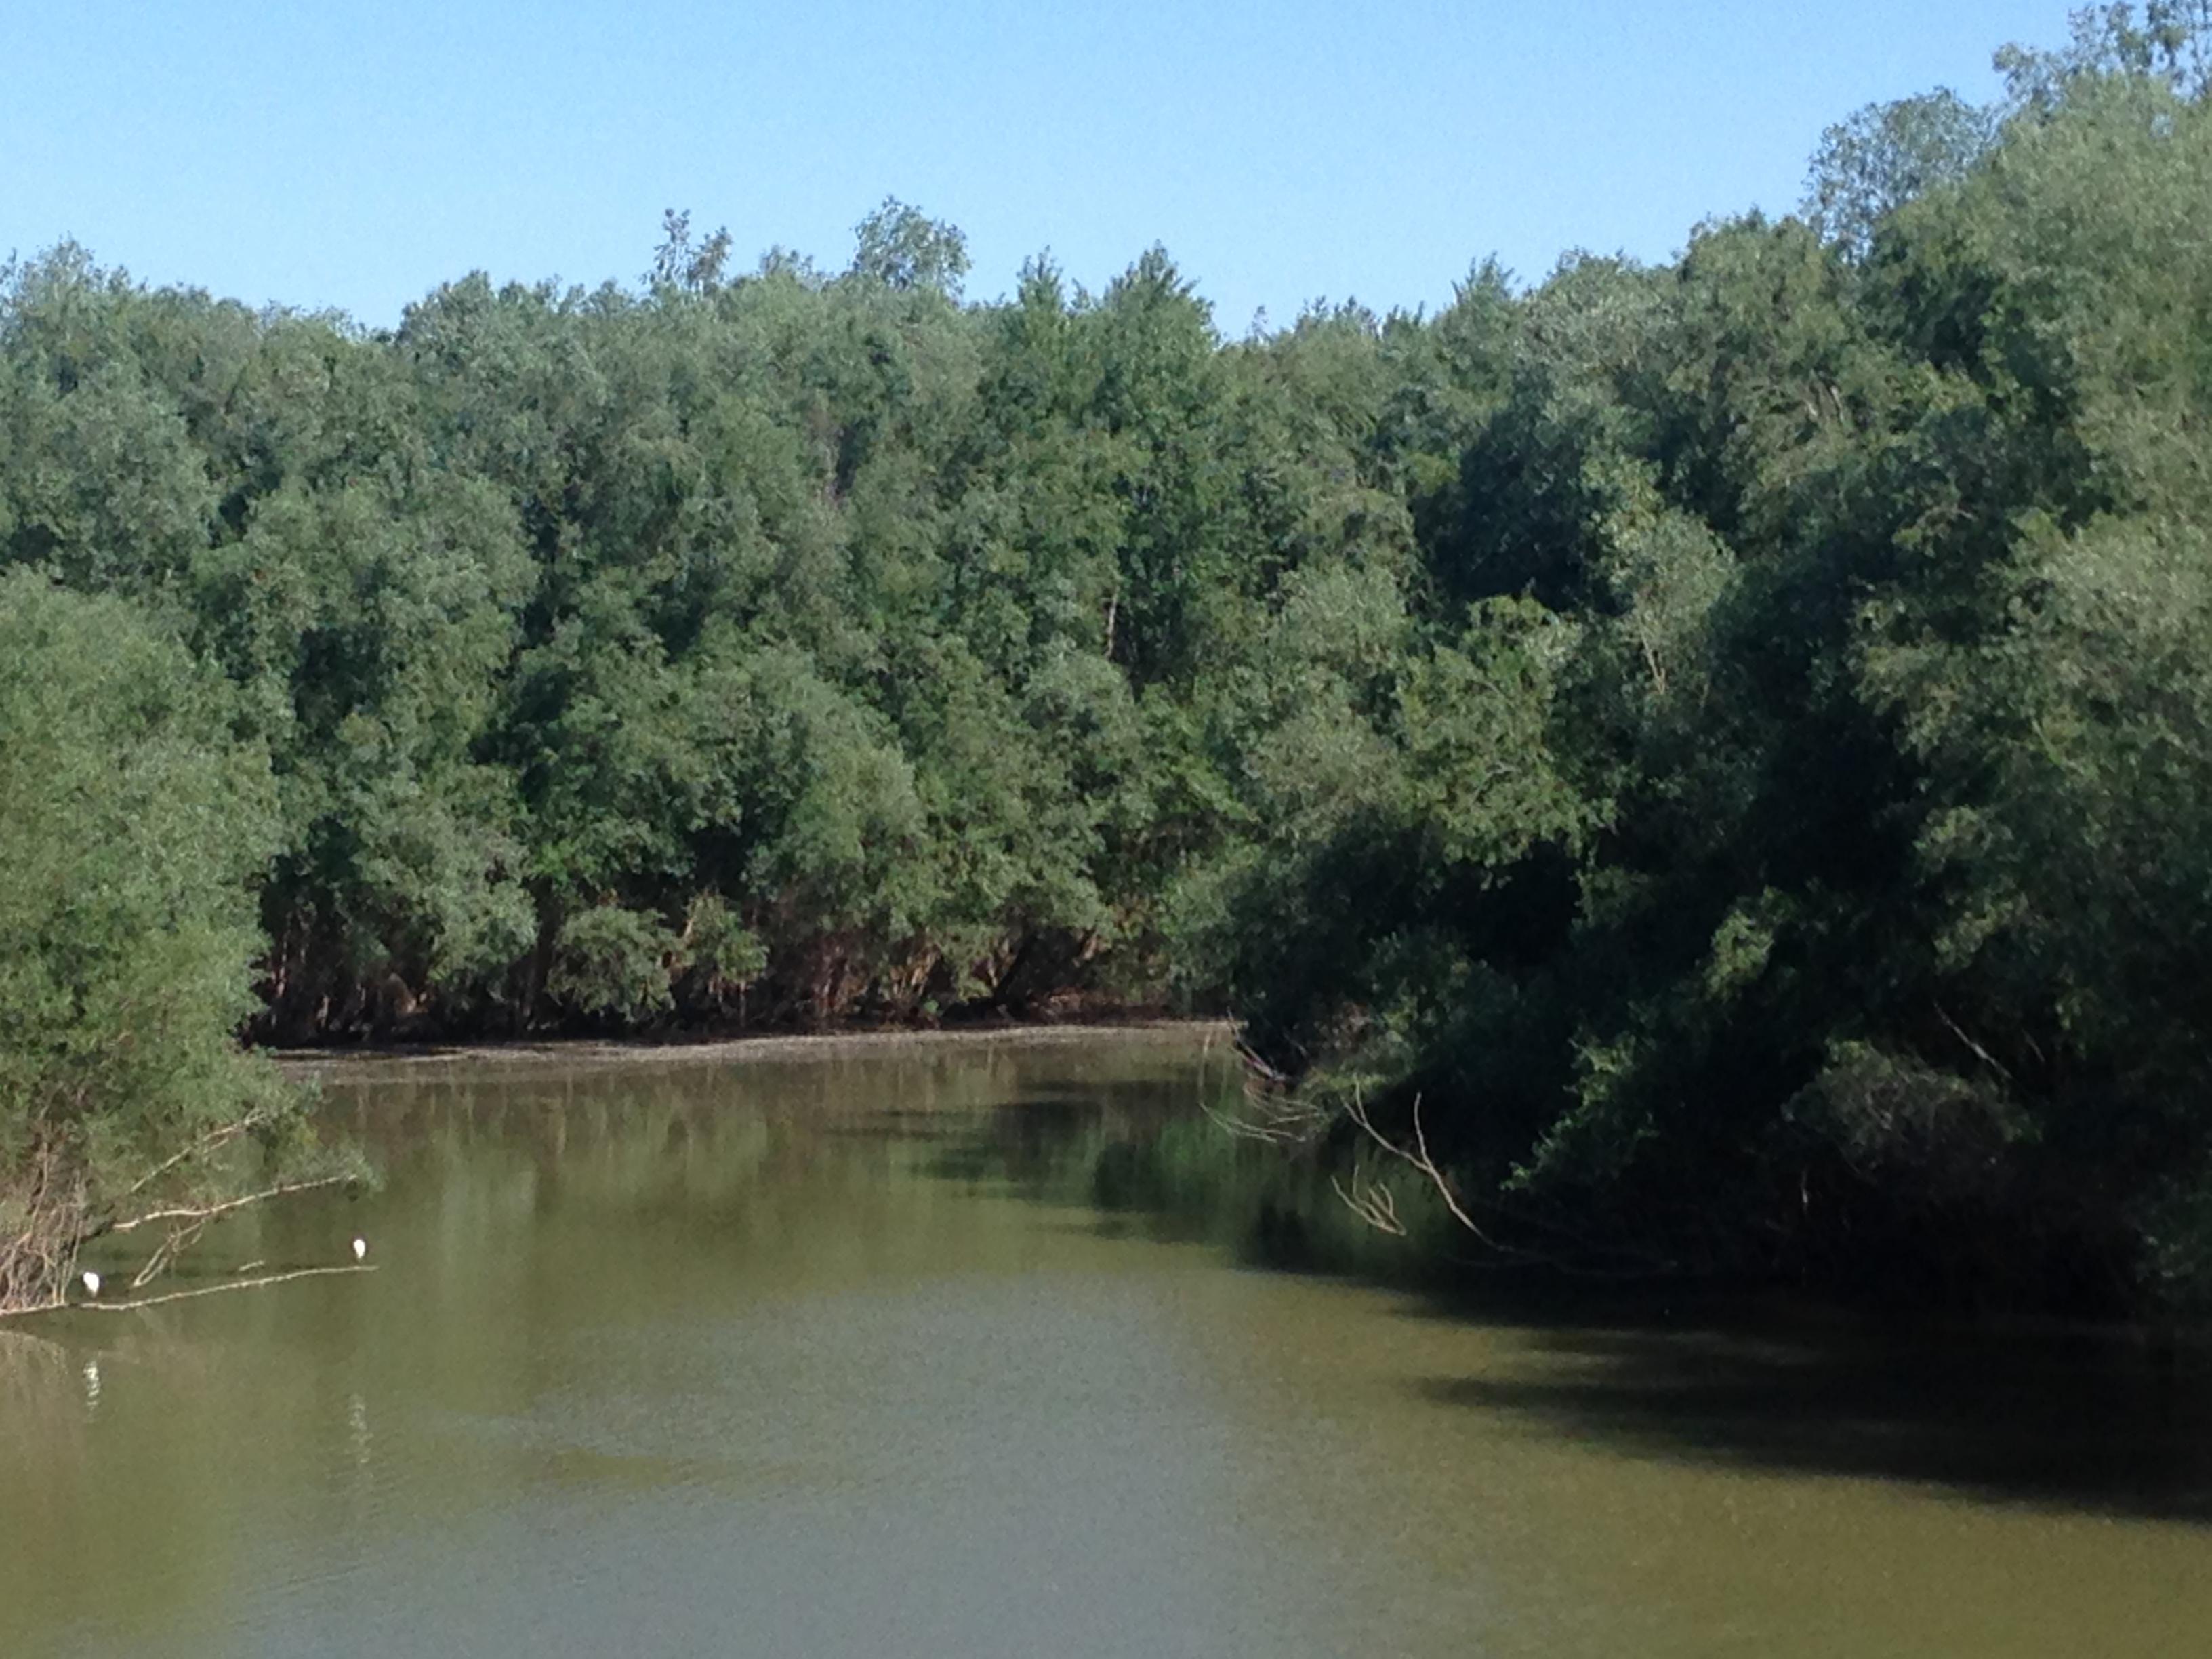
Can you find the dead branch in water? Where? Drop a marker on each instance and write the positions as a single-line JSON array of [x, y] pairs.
[[1277, 1120], [216, 1290], [1417, 1157], [38, 1264], [1372, 1203], [1273, 1113], [60, 1302], [1256, 1064]]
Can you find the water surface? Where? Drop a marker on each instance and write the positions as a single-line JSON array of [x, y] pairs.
[[829, 1354]]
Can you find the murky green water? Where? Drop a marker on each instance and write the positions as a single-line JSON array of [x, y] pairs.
[[799, 1357]]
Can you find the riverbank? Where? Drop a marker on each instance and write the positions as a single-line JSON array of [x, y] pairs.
[[566, 1053]]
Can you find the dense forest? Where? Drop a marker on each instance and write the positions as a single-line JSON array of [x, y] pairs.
[[1732, 739]]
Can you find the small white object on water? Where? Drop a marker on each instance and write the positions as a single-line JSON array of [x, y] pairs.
[[91, 1282], [360, 1249]]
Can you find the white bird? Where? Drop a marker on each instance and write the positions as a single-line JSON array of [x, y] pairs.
[[91, 1282], [360, 1249]]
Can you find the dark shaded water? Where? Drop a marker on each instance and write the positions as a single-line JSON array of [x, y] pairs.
[[804, 1356]]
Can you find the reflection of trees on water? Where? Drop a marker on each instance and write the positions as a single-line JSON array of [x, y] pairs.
[[52, 1386], [37, 1399], [633, 1132], [117, 1456]]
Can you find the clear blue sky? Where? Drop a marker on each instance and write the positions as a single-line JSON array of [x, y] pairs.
[[357, 154]]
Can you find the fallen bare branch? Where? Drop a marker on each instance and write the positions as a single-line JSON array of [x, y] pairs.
[[1417, 1158], [1372, 1203], [1276, 1120], [1255, 1064], [229, 1284], [1582, 1258]]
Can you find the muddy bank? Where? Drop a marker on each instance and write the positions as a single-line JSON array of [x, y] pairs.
[[569, 1054]]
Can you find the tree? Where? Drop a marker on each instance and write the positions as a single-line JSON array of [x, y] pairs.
[[1887, 155], [2169, 41], [679, 262], [902, 247], [135, 827]]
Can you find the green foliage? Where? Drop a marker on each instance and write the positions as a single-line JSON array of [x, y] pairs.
[[900, 246], [1727, 736], [1813, 887], [133, 828], [613, 963], [2169, 41], [680, 263], [724, 954], [1886, 155]]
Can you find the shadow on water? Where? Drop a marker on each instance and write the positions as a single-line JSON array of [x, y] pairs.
[[2080, 1420], [2093, 1420]]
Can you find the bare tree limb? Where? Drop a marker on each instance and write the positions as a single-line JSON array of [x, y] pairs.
[[1417, 1158], [1274, 1121], [211, 1212], [206, 1143], [1959, 1031], [229, 1284], [1371, 1201], [179, 1240]]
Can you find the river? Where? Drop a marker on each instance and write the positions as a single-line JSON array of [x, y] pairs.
[[825, 1350]]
